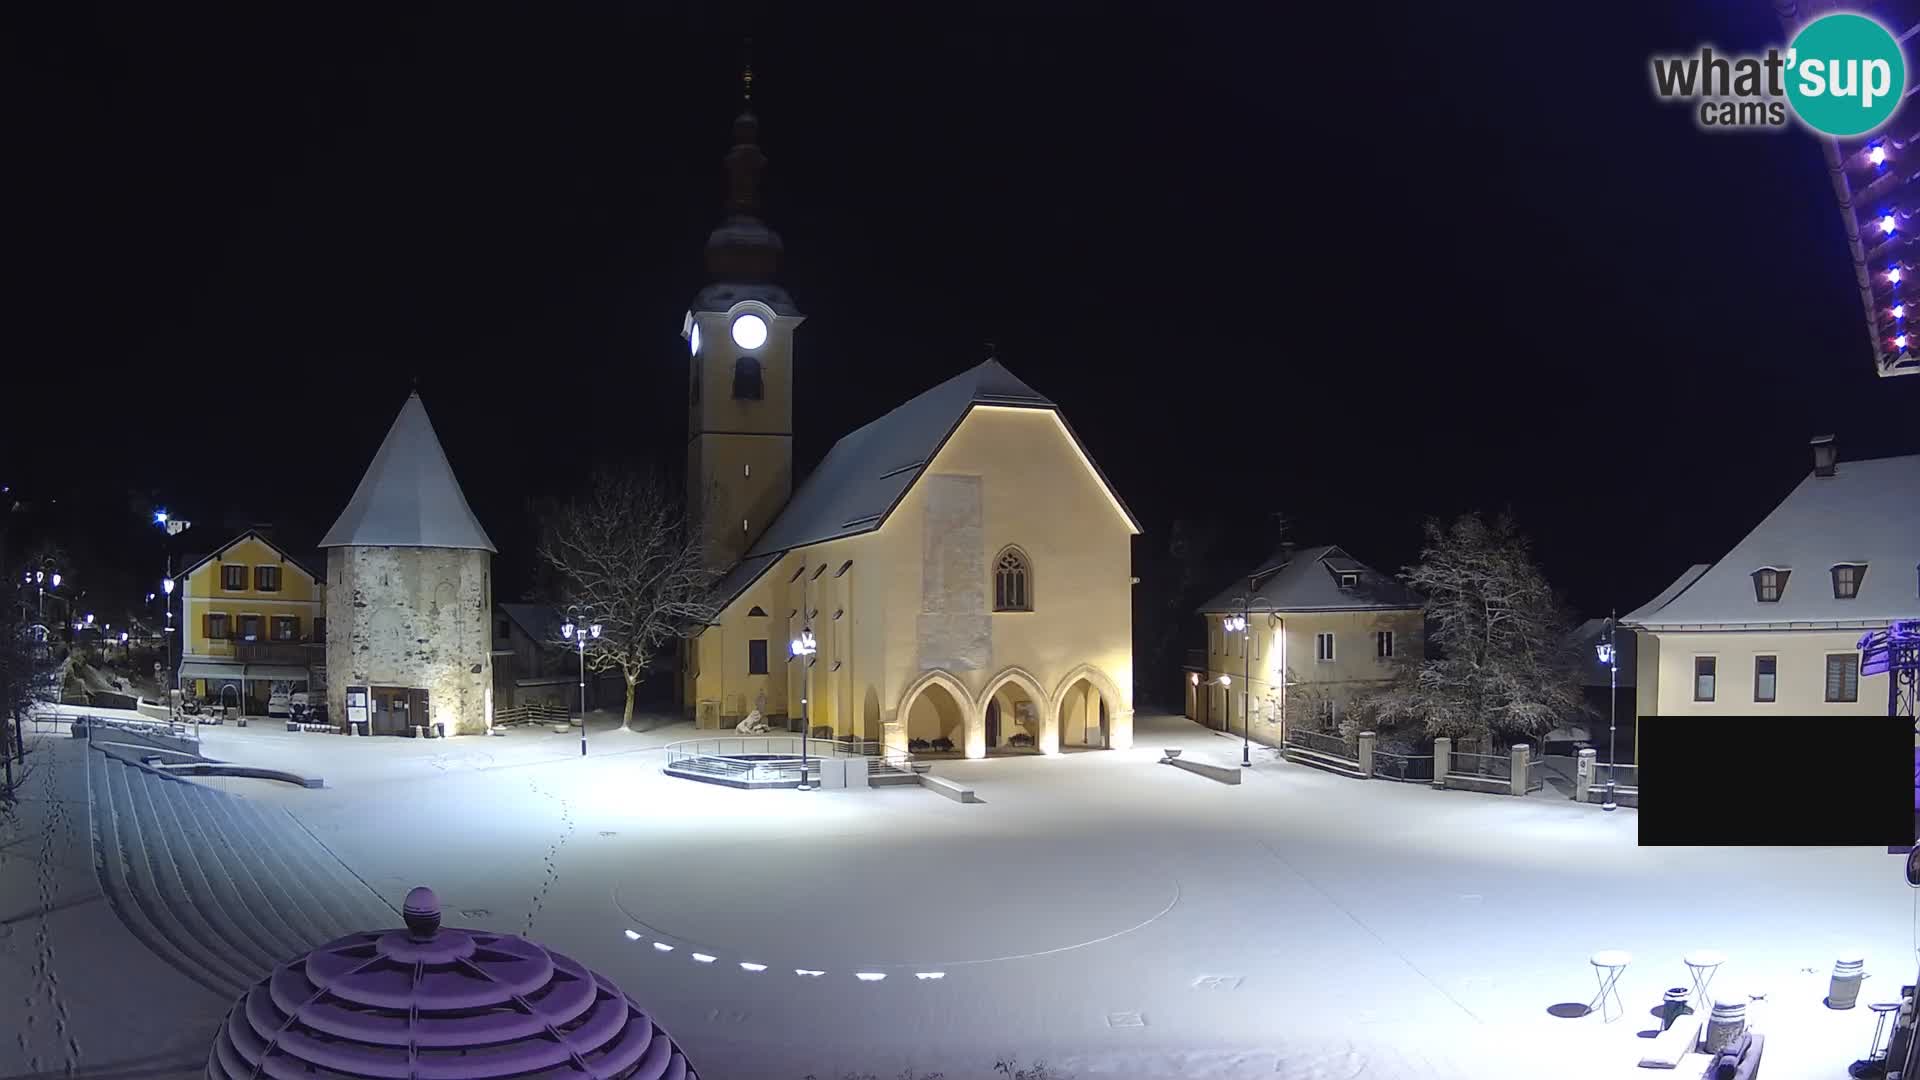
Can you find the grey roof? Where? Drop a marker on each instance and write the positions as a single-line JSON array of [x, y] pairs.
[[870, 470], [409, 497], [1592, 671], [1306, 580], [1868, 512], [541, 622]]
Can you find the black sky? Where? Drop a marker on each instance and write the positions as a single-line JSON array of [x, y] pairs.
[[1359, 267]]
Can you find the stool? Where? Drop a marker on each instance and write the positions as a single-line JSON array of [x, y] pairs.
[[1702, 964], [1607, 966], [1875, 1052]]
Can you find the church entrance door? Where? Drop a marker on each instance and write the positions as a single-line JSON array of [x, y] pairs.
[[993, 724]]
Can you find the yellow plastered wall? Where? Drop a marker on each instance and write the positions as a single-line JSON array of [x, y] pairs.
[[1800, 673], [1289, 651], [298, 597]]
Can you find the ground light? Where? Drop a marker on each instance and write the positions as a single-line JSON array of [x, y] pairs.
[[632, 936], [663, 946], [744, 966]]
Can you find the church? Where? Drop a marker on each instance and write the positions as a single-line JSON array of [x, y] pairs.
[[956, 575]]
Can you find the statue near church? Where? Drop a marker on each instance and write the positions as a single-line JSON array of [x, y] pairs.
[[755, 722]]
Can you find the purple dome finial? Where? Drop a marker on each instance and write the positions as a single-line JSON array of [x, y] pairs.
[[422, 914]]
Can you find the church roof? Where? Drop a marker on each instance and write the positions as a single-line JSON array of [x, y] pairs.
[[1308, 579], [870, 469], [409, 497]]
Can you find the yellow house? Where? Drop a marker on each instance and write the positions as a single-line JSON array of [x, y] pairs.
[[1320, 627], [960, 565], [1775, 626], [249, 613]]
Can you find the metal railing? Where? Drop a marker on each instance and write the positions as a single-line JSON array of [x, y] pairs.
[[1322, 742], [1411, 768], [776, 757], [1481, 766], [1626, 778], [1536, 774]]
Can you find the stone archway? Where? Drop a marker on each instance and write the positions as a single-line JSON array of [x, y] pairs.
[[937, 706], [1090, 712], [1024, 709]]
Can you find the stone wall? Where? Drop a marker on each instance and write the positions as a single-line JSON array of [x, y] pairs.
[[412, 617]]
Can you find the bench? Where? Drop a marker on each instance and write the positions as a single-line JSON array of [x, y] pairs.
[[1226, 774], [956, 792]]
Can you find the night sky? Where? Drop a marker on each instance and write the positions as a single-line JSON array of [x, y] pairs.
[[1358, 271]]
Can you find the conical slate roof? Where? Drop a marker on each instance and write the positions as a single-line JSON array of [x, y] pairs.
[[409, 497]]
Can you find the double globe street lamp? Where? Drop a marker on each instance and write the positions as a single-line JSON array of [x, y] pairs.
[[579, 631], [1610, 657], [802, 648], [1238, 624]]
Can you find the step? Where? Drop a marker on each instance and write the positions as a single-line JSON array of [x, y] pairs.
[[110, 867], [144, 889], [366, 908], [193, 914], [332, 906], [940, 784], [1226, 774], [893, 779], [245, 932], [1324, 762], [272, 873], [283, 936]]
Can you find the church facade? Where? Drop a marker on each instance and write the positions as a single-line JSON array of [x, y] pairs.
[[960, 566]]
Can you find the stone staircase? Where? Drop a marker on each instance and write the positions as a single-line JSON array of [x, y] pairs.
[[219, 887]]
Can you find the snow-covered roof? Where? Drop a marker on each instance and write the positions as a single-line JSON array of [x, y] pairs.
[[540, 622], [870, 470], [409, 497], [722, 295], [257, 534], [1308, 579], [1866, 513]]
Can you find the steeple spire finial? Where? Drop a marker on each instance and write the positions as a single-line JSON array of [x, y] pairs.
[[746, 78]]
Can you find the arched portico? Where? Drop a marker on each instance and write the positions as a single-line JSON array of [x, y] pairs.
[[1088, 705], [1006, 692], [937, 705]]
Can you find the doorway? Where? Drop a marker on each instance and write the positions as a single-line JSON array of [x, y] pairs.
[[392, 714], [993, 723]]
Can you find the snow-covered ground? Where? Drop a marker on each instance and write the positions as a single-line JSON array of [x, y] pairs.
[[1101, 912]]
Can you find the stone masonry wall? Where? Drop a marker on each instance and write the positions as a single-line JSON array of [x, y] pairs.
[[413, 617]]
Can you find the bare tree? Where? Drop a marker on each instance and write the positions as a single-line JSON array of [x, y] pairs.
[[627, 550], [1506, 667], [18, 652]]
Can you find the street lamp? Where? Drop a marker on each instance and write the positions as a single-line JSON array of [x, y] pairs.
[[579, 631], [803, 648], [1610, 657], [1237, 624]]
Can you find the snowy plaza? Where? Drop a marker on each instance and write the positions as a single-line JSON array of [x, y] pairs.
[[1099, 912]]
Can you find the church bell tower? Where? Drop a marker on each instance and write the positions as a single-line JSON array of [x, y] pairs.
[[739, 333]]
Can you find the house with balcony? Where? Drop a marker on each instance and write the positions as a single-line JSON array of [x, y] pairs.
[[252, 626]]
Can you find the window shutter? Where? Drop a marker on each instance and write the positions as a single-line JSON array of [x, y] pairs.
[[1834, 678], [206, 625]]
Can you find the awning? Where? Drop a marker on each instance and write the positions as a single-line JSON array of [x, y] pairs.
[[202, 669]]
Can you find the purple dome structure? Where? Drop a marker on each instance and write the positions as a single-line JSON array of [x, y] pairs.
[[439, 1004]]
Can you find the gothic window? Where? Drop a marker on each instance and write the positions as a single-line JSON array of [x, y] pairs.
[[1012, 582], [746, 378]]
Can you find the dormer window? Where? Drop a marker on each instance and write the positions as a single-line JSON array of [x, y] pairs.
[[1846, 580], [1348, 581], [1769, 583]]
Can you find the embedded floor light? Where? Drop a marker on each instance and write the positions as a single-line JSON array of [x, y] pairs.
[[929, 974], [663, 946], [744, 966], [704, 958], [808, 973], [632, 936], [869, 976]]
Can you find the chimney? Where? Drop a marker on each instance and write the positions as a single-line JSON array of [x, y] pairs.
[[1825, 455]]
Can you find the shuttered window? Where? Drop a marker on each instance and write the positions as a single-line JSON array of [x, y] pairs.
[[266, 579], [215, 626], [1843, 677], [233, 578], [286, 628]]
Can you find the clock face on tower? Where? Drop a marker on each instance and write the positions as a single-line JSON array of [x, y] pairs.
[[749, 331]]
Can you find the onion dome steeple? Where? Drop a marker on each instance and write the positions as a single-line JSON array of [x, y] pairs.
[[743, 248]]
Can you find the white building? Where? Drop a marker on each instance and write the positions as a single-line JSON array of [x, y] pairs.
[[1775, 625]]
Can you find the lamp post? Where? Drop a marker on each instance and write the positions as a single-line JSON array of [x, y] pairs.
[[1610, 658], [1237, 624], [578, 630], [174, 527], [802, 649]]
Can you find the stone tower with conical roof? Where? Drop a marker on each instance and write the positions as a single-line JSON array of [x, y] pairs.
[[409, 594]]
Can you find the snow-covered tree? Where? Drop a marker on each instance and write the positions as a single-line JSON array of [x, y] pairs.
[[1505, 665], [626, 550], [17, 655]]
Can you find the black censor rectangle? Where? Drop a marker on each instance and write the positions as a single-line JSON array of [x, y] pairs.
[[1776, 781]]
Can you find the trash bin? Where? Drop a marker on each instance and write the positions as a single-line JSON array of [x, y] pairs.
[[1674, 1006], [1844, 990], [1727, 1021]]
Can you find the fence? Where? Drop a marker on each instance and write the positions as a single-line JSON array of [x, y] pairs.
[[1411, 768], [1626, 782], [537, 712], [1481, 767]]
